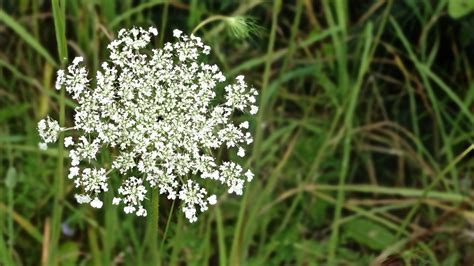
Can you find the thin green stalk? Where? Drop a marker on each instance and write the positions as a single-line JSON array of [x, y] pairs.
[[94, 246], [221, 237], [266, 77], [11, 234], [22, 222], [111, 227], [177, 241], [164, 22], [5, 256], [422, 69], [209, 20], [59, 15], [165, 233], [10, 182], [294, 32], [348, 124], [236, 249], [369, 189], [339, 41], [59, 24], [152, 232]]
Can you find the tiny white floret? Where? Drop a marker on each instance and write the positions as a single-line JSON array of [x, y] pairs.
[[153, 31], [77, 60], [212, 199], [249, 175], [116, 201], [241, 152], [97, 203], [244, 124], [68, 141], [253, 110], [73, 171], [177, 33], [81, 199]]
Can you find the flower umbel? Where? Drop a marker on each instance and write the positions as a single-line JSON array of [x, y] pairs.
[[157, 111], [48, 130]]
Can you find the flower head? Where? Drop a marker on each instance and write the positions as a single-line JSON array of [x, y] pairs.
[[158, 111]]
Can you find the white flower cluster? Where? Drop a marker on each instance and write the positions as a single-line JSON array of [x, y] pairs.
[[157, 112], [48, 130]]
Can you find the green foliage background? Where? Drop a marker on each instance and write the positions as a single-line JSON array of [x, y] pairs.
[[363, 149]]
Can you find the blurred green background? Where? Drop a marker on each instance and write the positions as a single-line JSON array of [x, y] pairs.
[[363, 149]]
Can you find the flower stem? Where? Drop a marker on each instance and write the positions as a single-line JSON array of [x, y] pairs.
[[208, 20], [59, 23], [152, 230]]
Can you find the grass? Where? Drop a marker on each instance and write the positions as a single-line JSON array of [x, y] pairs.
[[362, 150]]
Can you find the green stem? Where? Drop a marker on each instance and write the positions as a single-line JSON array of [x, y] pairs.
[[177, 241], [348, 126], [164, 22], [165, 233], [153, 229], [59, 24], [265, 81], [209, 20], [221, 237]]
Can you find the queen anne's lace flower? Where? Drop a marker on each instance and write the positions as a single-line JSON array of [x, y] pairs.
[[158, 113]]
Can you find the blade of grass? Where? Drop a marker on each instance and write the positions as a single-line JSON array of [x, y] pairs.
[[165, 233], [23, 223], [451, 94], [177, 241], [380, 220], [111, 227], [59, 8], [236, 249], [94, 246], [432, 185], [434, 100], [348, 124], [26, 36], [164, 22], [294, 32], [371, 189], [221, 237], [266, 77]]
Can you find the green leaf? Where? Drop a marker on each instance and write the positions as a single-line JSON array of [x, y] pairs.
[[369, 234], [459, 8]]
